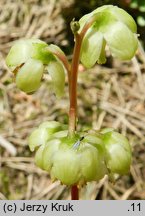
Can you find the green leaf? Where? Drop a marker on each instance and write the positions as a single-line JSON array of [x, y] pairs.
[[29, 76], [121, 41], [57, 73], [141, 20]]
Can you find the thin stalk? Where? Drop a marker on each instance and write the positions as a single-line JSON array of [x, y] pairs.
[[74, 193], [73, 90], [73, 85], [74, 74], [73, 100]]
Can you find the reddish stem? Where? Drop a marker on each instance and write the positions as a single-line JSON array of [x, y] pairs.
[[74, 193], [73, 85], [73, 89]]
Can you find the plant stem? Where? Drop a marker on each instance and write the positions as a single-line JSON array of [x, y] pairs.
[[73, 85], [73, 100], [73, 90], [74, 193], [74, 74]]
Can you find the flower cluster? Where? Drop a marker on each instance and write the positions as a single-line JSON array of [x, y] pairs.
[[81, 158]]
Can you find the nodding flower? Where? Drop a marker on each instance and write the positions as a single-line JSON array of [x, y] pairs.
[[29, 58], [112, 26]]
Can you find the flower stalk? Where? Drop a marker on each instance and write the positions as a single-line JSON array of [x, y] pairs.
[[73, 89]]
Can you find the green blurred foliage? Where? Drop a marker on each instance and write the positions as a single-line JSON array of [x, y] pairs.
[[139, 5]]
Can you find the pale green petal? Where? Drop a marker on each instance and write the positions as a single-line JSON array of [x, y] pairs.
[[19, 53], [118, 159], [121, 41], [86, 17], [29, 76], [91, 162], [91, 48], [66, 167], [38, 137], [50, 149], [56, 71], [39, 157], [51, 126], [124, 17], [61, 134], [118, 152], [102, 57], [24, 49]]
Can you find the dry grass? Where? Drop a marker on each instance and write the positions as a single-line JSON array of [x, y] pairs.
[[111, 95]]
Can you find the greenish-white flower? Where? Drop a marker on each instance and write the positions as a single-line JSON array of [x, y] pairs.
[[112, 26], [28, 58]]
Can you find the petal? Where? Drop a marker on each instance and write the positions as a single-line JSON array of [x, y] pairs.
[[51, 126], [92, 164], [56, 71], [102, 57], [124, 17], [62, 170], [122, 42], [86, 17], [38, 137], [29, 76], [118, 152], [50, 148], [22, 50], [39, 157], [91, 48], [19, 53]]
